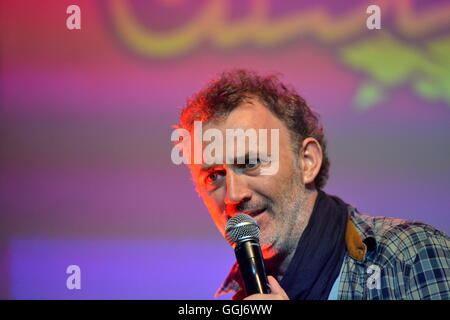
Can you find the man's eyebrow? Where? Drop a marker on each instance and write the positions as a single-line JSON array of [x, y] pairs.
[[246, 157], [207, 167]]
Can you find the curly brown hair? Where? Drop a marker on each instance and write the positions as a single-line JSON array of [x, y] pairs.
[[234, 87]]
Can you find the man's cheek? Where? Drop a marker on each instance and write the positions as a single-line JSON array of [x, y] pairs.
[[215, 207], [211, 204]]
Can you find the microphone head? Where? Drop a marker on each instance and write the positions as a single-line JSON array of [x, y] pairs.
[[240, 228]]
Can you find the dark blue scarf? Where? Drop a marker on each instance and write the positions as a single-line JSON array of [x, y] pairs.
[[320, 251]]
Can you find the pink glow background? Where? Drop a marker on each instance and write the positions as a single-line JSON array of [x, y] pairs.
[[86, 175]]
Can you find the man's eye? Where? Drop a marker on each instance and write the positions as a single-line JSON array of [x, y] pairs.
[[250, 165], [211, 177], [214, 177]]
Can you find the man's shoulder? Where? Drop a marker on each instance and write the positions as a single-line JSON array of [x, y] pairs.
[[400, 239]]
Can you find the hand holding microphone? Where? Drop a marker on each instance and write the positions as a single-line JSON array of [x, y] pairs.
[[243, 233]]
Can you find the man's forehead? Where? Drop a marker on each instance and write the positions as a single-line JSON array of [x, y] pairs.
[[248, 115], [244, 135]]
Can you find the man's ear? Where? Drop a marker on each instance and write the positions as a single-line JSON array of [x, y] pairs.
[[310, 156]]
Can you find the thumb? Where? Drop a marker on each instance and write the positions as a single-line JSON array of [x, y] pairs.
[[275, 287]]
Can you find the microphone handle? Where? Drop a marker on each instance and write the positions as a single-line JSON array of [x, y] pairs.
[[251, 265]]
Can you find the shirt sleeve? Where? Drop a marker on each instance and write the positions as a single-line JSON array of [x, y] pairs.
[[430, 273]]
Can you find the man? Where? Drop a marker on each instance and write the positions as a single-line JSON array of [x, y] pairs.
[[315, 246]]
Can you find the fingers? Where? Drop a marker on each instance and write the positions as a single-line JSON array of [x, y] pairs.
[[258, 297], [275, 287], [277, 292]]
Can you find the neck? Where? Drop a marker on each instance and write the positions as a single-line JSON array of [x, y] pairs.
[[278, 264]]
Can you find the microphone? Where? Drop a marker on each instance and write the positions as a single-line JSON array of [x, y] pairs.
[[242, 232]]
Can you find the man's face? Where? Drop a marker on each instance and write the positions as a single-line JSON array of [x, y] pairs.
[[275, 201]]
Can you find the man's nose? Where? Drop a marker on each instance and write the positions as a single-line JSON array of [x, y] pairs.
[[237, 189]]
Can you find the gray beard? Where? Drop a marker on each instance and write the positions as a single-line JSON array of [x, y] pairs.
[[294, 212]]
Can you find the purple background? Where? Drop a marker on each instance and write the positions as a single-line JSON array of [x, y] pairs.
[[85, 124]]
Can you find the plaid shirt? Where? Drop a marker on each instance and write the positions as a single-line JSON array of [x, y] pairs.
[[386, 259]]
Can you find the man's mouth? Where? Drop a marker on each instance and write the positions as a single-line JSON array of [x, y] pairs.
[[255, 213], [252, 213]]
